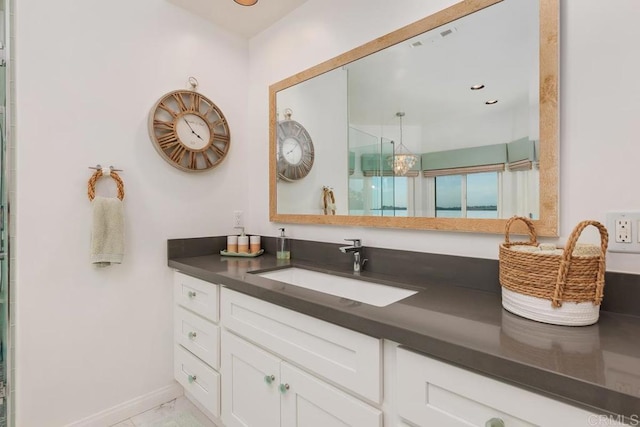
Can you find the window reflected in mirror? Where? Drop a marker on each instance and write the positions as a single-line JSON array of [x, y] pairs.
[[467, 196], [448, 196]]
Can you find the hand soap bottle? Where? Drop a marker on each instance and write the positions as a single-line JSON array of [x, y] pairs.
[[282, 246]]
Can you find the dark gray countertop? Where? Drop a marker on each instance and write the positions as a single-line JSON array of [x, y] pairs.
[[595, 367]]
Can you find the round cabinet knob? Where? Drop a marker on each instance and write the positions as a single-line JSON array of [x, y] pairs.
[[284, 388], [269, 379], [191, 294], [192, 378], [494, 422], [192, 335]]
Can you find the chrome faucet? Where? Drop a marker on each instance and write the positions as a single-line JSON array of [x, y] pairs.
[[356, 248]]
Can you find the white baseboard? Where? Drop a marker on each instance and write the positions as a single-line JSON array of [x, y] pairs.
[[133, 407]]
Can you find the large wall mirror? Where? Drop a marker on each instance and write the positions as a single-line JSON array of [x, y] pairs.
[[450, 123]]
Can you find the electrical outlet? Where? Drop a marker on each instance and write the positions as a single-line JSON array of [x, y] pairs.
[[623, 231], [622, 227], [238, 220]]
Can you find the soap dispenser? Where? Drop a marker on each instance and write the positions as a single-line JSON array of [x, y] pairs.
[[243, 241], [283, 250]]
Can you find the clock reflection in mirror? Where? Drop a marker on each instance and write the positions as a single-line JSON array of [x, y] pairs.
[[294, 152]]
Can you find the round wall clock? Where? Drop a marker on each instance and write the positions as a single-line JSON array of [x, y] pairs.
[[189, 131], [294, 149]]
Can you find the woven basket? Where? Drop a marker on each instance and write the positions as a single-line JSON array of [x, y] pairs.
[[559, 288]]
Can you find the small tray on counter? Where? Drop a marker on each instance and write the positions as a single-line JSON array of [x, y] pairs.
[[241, 254]]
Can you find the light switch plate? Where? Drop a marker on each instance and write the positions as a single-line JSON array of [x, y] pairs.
[[624, 231], [238, 219]]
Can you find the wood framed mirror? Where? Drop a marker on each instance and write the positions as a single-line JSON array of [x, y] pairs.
[[475, 162]]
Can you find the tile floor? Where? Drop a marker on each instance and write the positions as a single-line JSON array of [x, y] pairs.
[[179, 412]]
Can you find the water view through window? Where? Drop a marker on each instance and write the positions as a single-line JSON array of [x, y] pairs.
[[471, 196]]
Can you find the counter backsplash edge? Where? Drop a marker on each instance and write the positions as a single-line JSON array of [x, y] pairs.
[[622, 290]]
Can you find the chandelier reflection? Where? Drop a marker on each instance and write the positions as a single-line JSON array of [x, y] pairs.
[[402, 159]]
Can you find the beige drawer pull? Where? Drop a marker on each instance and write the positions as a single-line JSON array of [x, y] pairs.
[[192, 335], [191, 294], [494, 422]]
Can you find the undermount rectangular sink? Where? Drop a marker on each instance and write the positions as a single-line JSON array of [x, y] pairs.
[[345, 287]]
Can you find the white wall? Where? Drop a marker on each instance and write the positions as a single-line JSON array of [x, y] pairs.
[[598, 111], [499, 127], [88, 74]]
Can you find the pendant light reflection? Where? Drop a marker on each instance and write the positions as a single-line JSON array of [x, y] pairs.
[[246, 2], [402, 159]]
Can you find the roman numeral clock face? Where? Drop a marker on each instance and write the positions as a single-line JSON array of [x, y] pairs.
[[189, 131], [294, 151]]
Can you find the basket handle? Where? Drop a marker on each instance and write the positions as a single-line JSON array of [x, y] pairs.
[[567, 255], [532, 231]]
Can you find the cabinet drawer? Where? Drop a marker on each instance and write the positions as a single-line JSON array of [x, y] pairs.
[[199, 336], [347, 358], [198, 379], [431, 392], [197, 295]]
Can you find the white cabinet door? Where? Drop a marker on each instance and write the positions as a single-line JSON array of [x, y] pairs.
[[434, 393], [309, 402], [250, 380]]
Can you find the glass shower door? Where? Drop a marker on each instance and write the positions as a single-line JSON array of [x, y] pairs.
[[4, 277], [4, 232]]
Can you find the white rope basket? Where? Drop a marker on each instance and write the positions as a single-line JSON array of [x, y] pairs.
[[539, 309]]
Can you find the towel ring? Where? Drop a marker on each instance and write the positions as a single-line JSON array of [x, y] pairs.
[[91, 191]]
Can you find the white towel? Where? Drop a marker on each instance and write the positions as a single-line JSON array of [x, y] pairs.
[[107, 232]]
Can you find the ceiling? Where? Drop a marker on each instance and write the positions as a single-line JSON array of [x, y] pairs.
[[429, 76], [241, 20]]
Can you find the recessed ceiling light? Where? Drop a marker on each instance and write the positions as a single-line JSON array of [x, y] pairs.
[[491, 102], [477, 87], [246, 2]]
